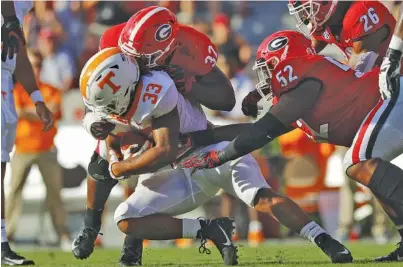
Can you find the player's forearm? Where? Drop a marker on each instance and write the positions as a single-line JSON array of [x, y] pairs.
[[218, 134], [7, 8], [399, 25], [397, 39], [214, 91], [259, 134], [148, 162], [24, 72]]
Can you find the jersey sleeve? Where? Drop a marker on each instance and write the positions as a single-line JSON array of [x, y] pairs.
[[208, 56], [364, 18], [288, 74], [110, 37], [198, 55]]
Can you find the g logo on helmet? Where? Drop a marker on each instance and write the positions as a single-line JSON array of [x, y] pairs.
[[277, 43], [163, 32]]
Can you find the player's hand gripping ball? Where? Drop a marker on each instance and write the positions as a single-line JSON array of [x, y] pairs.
[[133, 144]]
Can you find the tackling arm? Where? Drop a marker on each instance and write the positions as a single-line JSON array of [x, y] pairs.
[[276, 122], [214, 91], [165, 133]]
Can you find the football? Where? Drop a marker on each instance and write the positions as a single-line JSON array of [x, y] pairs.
[[134, 143]]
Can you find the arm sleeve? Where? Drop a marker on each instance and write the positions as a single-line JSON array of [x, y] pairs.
[[276, 122], [218, 134], [260, 133]]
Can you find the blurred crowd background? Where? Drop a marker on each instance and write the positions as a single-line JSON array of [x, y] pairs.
[[63, 35]]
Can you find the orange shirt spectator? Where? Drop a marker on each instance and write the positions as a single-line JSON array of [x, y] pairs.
[[30, 138], [35, 147], [309, 159]]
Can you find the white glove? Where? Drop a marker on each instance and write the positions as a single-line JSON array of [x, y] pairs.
[[113, 158], [128, 153]]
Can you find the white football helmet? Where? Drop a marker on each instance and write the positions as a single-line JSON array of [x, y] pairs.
[[108, 81]]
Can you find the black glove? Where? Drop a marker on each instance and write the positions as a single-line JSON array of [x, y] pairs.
[[389, 76], [249, 104], [12, 37], [101, 129]]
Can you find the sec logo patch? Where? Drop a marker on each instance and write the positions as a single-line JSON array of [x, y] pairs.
[[163, 32], [277, 43]]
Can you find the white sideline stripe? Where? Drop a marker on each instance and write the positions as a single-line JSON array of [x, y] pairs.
[[142, 21]]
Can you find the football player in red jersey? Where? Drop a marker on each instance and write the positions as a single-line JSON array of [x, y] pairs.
[[389, 85], [340, 106], [190, 58], [360, 29], [188, 55]]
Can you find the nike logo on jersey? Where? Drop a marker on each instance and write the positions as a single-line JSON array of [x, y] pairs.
[[347, 40], [228, 242]]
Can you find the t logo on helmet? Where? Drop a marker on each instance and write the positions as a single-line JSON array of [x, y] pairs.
[[107, 80]]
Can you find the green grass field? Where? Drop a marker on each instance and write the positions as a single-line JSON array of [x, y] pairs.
[[301, 255]]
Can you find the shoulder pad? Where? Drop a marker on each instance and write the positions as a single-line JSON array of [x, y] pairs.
[[365, 17]]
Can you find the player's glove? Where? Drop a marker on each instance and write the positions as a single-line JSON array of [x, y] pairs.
[[101, 129], [113, 158], [389, 76], [250, 106], [177, 74], [205, 160], [12, 37]]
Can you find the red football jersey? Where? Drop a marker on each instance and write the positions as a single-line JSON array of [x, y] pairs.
[[361, 19], [346, 97], [196, 54]]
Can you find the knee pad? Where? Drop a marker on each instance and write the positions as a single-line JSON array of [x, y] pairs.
[[98, 168], [387, 182], [126, 211], [121, 212]]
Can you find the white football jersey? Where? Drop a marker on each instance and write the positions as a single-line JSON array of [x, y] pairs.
[[156, 96], [21, 9]]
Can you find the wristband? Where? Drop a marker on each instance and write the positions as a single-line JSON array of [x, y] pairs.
[[36, 96], [396, 43], [113, 159]]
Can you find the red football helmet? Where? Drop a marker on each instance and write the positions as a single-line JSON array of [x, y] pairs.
[[151, 33], [312, 13], [274, 49]]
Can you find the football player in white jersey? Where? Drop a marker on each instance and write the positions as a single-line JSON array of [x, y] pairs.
[[112, 88], [12, 40]]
